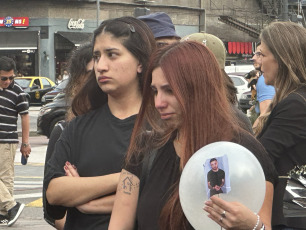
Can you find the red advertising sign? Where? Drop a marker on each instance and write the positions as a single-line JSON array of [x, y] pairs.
[[14, 21]]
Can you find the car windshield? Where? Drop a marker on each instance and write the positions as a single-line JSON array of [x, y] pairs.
[[24, 83], [62, 85]]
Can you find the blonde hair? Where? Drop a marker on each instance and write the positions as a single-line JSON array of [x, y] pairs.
[[287, 42]]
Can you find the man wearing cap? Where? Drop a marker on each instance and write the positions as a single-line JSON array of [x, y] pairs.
[[162, 27], [12, 102], [216, 46]]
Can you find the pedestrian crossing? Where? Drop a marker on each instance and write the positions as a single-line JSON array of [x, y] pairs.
[[29, 190]]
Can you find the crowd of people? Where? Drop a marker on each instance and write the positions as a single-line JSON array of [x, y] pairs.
[[143, 101]]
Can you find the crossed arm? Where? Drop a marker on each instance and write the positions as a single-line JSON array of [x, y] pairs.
[[72, 191], [124, 210], [216, 187]]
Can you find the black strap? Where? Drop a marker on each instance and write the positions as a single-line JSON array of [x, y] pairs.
[[146, 168]]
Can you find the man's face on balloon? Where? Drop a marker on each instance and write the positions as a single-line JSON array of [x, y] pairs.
[[214, 165]]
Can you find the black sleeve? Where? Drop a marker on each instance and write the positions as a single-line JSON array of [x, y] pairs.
[[286, 128], [134, 166], [54, 167], [249, 142], [55, 134]]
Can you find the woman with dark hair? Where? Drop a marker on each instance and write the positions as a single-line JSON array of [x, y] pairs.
[[80, 66], [282, 130], [185, 104], [84, 170], [253, 76]]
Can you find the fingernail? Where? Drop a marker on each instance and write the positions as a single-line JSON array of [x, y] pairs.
[[67, 163], [74, 166], [65, 167]]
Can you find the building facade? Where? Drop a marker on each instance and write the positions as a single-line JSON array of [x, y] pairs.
[[40, 34]]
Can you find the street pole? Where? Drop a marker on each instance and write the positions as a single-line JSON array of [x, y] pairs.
[[285, 15], [98, 12]]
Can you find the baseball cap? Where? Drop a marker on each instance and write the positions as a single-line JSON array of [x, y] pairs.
[[213, 43], [160, 24]]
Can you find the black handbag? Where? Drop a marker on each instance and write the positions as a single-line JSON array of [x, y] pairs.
[[294, 201]]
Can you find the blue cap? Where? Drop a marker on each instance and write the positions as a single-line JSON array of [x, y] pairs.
[[160, 24]]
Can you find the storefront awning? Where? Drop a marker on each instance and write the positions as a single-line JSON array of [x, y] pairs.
[[77, 38], [21, 40], [240, 47]]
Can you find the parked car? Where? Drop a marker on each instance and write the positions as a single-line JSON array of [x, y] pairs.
[[245, 101], [50, 114], [240, 83], [238, 68], [48, 97], [35, 86]]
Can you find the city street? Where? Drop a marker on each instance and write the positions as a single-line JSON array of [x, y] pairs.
[[29, 180]]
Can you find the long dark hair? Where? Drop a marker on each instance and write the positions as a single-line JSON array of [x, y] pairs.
[[197, 83], [137, 38], [77, 66]]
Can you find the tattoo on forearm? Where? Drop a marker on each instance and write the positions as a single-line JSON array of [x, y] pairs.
[[128, 184]]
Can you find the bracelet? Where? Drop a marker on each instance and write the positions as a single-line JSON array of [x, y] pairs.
[[257, 223], [262, 227], [24, 145]]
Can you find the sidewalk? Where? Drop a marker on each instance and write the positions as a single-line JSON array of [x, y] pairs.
[[32, 215]]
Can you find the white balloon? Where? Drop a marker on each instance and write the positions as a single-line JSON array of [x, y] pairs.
[[245, 174]]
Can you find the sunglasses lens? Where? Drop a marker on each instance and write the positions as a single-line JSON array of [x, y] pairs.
[[5, 78]]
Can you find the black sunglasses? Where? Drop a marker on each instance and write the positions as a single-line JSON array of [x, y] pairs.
[[5, 78]]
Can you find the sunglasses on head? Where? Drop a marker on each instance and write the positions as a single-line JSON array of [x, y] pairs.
[[5, 78]]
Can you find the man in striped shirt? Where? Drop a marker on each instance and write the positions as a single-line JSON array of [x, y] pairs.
[[12, 102]]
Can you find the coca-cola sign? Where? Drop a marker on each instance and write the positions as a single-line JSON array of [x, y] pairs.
[[77, 24]]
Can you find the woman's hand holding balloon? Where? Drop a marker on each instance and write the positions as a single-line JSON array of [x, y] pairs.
[[231, 215]]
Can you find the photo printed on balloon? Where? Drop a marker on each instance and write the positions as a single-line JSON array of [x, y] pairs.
[[216, 171]]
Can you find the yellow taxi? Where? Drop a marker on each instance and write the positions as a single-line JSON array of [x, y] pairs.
[[35, 86]]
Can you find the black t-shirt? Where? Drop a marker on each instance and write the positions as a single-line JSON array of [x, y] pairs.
[[54, 136], [96, 144], [165, 172], [215, 178]]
